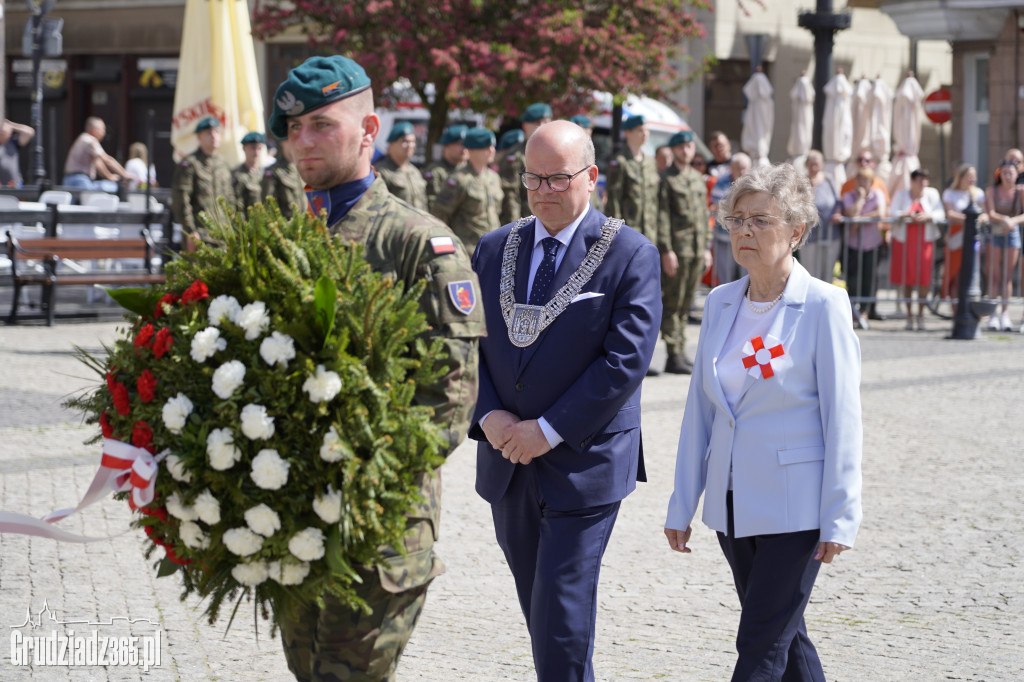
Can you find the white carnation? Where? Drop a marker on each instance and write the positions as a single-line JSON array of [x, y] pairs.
[[176, 410], [193, 536], [269, 471], [223, 308], [263, 520], [254, 320], [207, 507], [206, 343], [277, 348], [251, 574], [288, 572], [308, 544], [221, 449], [178, 510], [242, 541], [328, 505], [256, 425], [177, 469], [323, 385], [330, 450], [227, 378]]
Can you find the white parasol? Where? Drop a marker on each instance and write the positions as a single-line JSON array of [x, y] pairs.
[[758, 118], [801, 120], [837, 127], [906, 132], [861, 107], [881, 127]]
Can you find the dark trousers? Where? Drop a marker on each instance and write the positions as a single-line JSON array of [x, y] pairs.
[[555, 558], [860, 275], [774, 575]]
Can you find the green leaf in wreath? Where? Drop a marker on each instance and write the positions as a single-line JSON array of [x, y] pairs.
[[167, 567], [325, 298], [139, 300], [336, 556]]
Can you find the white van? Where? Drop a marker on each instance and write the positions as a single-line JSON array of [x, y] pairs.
[[662, 122], [406, 107]]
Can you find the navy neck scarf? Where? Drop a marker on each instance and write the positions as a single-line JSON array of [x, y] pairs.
[[338, 201]]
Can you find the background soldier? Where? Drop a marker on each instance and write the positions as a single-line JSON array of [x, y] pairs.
[[509, 139], [584, 122], [325, 109], [247, 177], [199, 180], [403, 179], [685, 234], [632, 182], [471, 198], [514, 204], [453, 156], [281, 181]]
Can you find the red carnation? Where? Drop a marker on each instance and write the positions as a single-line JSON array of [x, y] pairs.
[[145, 336], [111, 379], [142, 435], [146, 384], [174, 557], [169, 299], [120, 395], [162, 343], [105, 426], [196, 292], [156, 512]]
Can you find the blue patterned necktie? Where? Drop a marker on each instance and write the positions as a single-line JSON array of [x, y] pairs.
[[545, 273]]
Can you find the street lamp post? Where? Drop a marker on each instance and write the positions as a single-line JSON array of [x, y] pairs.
[[39, 9]]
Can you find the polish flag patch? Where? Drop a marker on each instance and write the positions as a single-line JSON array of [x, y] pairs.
[[442, 245]]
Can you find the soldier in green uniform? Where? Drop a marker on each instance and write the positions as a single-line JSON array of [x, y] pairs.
[[281, 181], [583, 121], [632, 182], [514, 204], [685, 234], [245, 179], [403, 179], [325, 108], [510, 138], [453, 157], [471, 198], [199, 180]]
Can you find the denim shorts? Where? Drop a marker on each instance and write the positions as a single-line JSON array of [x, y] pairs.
[[1009, 240]]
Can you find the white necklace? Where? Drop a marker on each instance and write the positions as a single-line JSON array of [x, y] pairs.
[[765, 308]]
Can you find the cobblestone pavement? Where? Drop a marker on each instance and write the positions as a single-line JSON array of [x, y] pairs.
[[933, 590]]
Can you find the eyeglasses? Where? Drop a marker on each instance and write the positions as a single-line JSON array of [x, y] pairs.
[[559, 182], [760, 222], [863, 159]]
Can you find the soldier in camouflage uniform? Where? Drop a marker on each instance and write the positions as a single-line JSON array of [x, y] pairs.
[[453, 157], [632, 182], [514, 204], [583, 121], [325, 108], [281, 181], [685, 235], [403, 179], [246, 179], [471, 198], [199, 180]]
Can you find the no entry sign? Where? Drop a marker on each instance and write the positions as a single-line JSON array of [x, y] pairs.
[[937, 106]]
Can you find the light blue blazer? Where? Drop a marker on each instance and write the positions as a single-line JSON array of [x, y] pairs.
[[793, 439]]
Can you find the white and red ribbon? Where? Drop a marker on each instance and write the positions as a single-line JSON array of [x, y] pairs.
[[760, 359]]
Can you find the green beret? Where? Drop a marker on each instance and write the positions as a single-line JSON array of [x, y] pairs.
[[208, 123], [400, 130], [681, 137], [535, 112], [634, 121], [478, 138], [582, 121], [453, 134], [316, 82], [511, 138], [254, 138]]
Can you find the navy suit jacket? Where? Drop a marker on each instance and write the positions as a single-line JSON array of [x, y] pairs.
[[582, 374]]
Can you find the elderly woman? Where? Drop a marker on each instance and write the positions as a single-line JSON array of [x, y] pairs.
[[771, 434]]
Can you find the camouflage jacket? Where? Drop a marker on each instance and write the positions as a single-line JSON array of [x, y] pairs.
[[435, 175], [246, 184], [470, 204], [282, 182], [198, 182], [632, 193], [513, 204], [683, 212], [406, 183]]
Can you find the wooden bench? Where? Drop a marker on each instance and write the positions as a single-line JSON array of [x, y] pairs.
[[50, 252]]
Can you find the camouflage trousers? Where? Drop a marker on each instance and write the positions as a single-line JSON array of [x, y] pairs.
[[677, 294]]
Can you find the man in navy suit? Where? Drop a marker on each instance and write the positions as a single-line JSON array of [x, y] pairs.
[[573, 306]]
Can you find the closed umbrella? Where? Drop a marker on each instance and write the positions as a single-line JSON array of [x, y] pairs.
[[758, 118], [837, 127], [906, 132], [217, 77], [861, 107], [881, 127], [801, 120]]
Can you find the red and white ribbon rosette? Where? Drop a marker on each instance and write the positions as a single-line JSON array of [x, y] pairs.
[[760, 355]]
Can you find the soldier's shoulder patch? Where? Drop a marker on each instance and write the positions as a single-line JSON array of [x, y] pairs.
[[613, 162], [463, 295], [268, 173], [186, 163], [442, 245], [510, 158], [427, 175], [452, 181]]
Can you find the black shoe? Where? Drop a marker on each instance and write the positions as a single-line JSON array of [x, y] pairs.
[[873, 315], [692, 319], [678, 364], [653, 371]]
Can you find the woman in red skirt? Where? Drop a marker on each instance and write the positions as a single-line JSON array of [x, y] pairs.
[[913, 241]]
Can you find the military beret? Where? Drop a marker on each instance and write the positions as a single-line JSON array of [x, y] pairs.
[[207, 123], [582, 121], [681, 137], [478, 138], [535, 112], [400, 130], [511, 138], [453, 134], [315, 83], [634, 121], [254, 138]]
